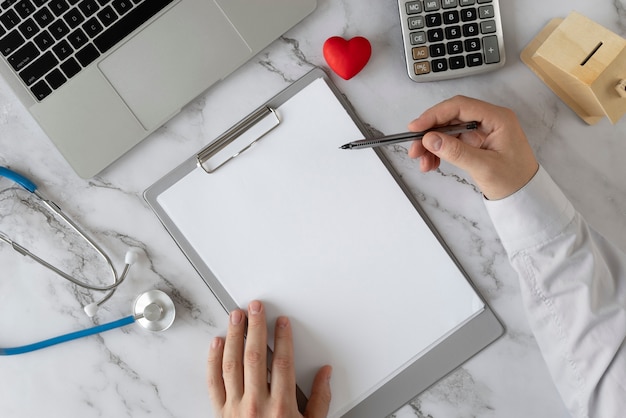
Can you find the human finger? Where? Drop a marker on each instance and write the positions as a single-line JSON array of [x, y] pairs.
[[255, 356], [453, 150], [319, 401], [455, 110], [217, 391], [283, 382], [232, 364]]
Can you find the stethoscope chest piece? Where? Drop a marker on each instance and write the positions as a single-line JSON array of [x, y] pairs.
[[154, 310]]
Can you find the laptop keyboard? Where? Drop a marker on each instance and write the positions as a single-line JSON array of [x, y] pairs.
[[47, 42]]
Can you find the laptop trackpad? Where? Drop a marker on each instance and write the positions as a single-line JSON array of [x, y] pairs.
[[173, 60]]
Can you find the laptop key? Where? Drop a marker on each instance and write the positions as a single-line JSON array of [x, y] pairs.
[[70, 67], [92, 27], [73, 18], [77, 38], [41, 90], [10, 19], [88, 7], [128, 23], [25, 8], [23, 56], [58, 7], [8, 3], [122, 6], [58, 29], [39, 68], [87, 55], [62, 50], [44, 40], [107, 16], [29, 28], [11, 42], [55, 79], [44, 17]]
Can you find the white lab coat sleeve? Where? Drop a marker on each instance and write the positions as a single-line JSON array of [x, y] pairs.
[[573, 286]]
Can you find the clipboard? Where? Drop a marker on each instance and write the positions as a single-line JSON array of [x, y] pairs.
[[334, 240]]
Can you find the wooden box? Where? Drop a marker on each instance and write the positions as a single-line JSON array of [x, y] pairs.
[[584, 64]]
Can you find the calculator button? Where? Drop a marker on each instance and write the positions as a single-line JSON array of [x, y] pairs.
[[469, 14], [451, 17], [457, 62], [418, 38], [474, 60], [484, 1], [453, 32], [488, 26], [466, 2], [448, 4], [413, 7], [470, 29], [492, 52], [416, 22], [439, 65], [472, 45], [485, 12], [437, 50], [420, 53], [435, 35], [431, 5], [422, 67], [455, 47], [433, 20]]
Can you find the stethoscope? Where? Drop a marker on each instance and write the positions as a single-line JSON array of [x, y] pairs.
[[153, 310]]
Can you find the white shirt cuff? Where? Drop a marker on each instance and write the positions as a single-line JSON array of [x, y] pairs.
[[533, 215]]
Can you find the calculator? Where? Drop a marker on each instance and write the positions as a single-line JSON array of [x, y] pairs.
[[446, 39]]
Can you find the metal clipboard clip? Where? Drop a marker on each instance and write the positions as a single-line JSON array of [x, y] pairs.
[[238, 139]]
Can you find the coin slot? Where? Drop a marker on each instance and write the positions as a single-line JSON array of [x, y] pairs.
[[591, 54]]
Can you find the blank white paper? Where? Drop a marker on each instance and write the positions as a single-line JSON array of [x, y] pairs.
[[328, 238]]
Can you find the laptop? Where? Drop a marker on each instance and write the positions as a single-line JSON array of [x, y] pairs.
[[101, 75]]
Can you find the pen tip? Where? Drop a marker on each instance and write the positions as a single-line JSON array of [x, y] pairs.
[[346, 146]]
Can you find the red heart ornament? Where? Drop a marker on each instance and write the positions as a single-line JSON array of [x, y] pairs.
[[347, 58]]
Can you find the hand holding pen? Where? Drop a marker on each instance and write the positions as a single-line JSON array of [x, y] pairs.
[[496, 155]]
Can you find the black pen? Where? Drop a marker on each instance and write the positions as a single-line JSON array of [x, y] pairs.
[[410, 136]]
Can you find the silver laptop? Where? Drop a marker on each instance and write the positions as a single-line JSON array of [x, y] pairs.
[[101, 75]]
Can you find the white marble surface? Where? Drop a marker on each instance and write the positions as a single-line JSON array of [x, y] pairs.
[[134, 373]]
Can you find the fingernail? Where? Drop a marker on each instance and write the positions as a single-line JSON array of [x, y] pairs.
[[282, 322], [254, 307], [216, 343], [436, 142], [236, 317]]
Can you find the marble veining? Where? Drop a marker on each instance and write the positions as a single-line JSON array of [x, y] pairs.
[[131, 372]]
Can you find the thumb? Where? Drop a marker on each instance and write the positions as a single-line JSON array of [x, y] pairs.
[[319, 402], [452, 150]]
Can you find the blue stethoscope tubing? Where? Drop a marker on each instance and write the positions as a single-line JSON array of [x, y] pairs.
[[153, 310], [68, 337]]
